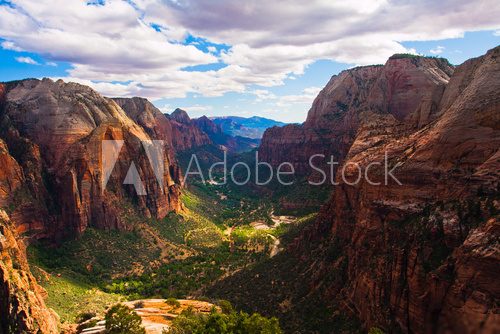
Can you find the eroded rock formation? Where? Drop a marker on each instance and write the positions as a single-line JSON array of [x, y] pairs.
[[55, 133], [186, 135], [406, 91], [417, 257], [422, 257], [22, 306]]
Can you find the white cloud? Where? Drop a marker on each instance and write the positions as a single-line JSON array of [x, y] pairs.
[[263, 94], [437, 50], [306, 97], [7, 45], [262, 23], [140, 43], [197, 108], [50, 63], [27, 60], [107, 42], [496, 33]]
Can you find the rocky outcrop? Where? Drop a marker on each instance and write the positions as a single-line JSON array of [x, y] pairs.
[[22, 306], [55, 133], [11, 175], [406, 90], [185, 134], [157, 314], [191, 134], [180, 116], [208, 126], [417, 257], [144, 113], [421, 257], [155, 123]]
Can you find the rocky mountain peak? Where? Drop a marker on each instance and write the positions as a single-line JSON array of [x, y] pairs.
[[180, 116], [406, 90], [207, 125]]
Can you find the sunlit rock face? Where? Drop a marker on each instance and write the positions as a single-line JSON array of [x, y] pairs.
[[420, 257], [22, 305], [404, 92], [55, 131]]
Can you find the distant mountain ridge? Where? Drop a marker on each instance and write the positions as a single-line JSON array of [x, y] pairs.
[[192, 133], [250, 127]]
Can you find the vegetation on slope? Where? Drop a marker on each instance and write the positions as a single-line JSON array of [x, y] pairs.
[[224, 323], [281, 287], [72, 295], [179, 256]]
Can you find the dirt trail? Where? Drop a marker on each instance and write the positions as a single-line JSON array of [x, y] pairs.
[[277, 220]]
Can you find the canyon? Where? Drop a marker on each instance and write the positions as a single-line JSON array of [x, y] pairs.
[[417, 257]]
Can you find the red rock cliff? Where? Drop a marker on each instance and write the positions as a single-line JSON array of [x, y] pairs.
[[54, 131], [421, 257], [22, 305], [186, 134], [406, 91]]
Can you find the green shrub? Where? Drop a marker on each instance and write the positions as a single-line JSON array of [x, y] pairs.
[[139, 304], [225, 306], [84, 317], [375, 330], [235, 322], [173, 302], [404, 55], [122, 320]]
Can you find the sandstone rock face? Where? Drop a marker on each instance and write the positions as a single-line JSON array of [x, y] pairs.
[[156, 125], [55, 132], [208, 126], [11, 176], [22, 306], [144, 113], [406, 91], [420, 257], [214, 133], [185, 134]]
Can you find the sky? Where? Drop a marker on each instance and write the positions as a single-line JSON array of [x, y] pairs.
[[226, 57]]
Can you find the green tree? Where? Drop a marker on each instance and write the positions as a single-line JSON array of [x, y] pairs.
[[225, 306], [173, 302], [220, 323], [122, 320]]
